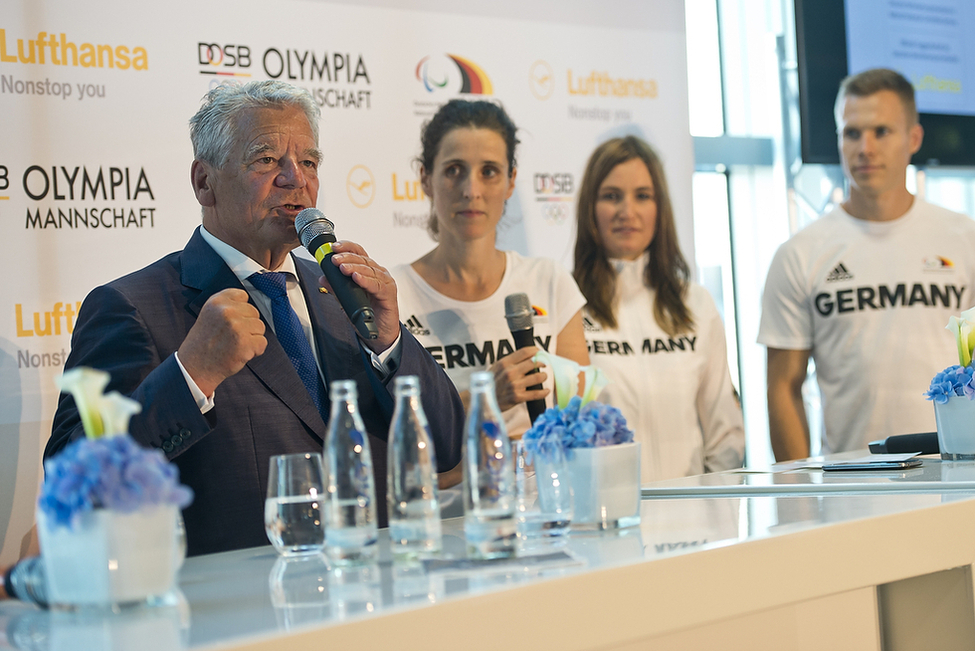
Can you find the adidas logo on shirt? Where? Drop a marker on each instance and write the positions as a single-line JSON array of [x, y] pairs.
[[416, 328], [589, 325], [839, 273]]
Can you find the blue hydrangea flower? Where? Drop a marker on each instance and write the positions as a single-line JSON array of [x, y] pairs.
[[953, 381], [114, 473], [594, 425]]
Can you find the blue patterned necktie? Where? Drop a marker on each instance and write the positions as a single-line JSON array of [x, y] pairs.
[[289, 332]]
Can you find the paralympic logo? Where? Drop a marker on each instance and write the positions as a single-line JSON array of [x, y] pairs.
[[436, 73]]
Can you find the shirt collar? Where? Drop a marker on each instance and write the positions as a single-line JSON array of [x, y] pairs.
[[630, 266], [239, 263]]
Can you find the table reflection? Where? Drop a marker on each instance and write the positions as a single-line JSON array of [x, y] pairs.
[[413, 584], [162, 625], [299, 590], [354, 590]]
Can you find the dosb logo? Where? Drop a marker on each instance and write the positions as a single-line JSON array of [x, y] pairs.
[[218, 58], [4, 183], [554, 192], [554, 184]]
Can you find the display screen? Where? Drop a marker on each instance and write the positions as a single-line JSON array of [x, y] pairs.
[[931, 42], [928, 41]]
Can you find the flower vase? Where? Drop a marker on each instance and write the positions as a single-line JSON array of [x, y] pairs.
[[108, 558], [605, 486], [956, 428]]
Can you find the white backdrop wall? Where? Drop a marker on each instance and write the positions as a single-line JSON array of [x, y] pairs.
[[95, 154]]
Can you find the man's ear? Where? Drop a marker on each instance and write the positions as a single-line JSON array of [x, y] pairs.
[[916, 136], [201, 177]]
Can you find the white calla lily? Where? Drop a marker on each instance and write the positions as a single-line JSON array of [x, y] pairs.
[[566, 374], [596, 381], [86, 386], [116, 411], [964, 330], [969, 318]]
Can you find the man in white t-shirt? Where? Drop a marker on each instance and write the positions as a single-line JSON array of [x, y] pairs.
[[867, 288]]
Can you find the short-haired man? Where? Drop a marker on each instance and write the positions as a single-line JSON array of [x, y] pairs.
[[229, 343], [867, 288]]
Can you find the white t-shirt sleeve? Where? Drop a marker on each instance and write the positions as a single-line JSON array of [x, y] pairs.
[[786, 322], [568, 297], [718, 412]]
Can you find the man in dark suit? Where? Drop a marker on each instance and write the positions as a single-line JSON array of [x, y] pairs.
[[193, 338]]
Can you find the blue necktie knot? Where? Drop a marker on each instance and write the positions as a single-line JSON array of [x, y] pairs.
[[274, 284]]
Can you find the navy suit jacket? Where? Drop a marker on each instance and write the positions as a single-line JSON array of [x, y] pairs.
[[131, 328]]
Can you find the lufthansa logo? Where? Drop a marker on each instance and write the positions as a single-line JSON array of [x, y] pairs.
[[46, 48], [408, 190], [541, 80], [360, 185]]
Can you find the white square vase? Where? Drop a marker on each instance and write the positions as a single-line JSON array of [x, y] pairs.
[[109, 558], [605, 486], [956, 428]]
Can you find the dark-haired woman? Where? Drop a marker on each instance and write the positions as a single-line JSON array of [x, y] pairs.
[[656, 334], [453, 297]]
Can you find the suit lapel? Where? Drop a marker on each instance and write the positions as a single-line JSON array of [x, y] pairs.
[[204, 270], [341, 354]]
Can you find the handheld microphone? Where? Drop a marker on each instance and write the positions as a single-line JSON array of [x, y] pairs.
[[922, 443], [317, 235], [518, 312]]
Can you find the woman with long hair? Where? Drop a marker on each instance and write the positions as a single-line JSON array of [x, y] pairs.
[[656, 334], [452, 298]]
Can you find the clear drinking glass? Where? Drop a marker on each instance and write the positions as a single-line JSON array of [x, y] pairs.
[[299, 590], [293, 509], [544, 504]]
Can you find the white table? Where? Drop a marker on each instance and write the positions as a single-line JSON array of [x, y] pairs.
[[754, 572], [933, 475]]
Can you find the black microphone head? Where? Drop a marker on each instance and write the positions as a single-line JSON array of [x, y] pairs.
[[518, 311], [310, 223]]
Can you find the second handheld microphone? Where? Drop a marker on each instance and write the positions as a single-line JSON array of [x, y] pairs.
[[317, 235], [519, 314]]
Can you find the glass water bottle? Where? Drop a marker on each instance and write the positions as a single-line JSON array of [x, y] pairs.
[[412, 494], [489, 478], [350, 487]]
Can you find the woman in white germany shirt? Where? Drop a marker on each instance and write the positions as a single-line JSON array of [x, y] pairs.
[[452, 298], [656, 334]]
